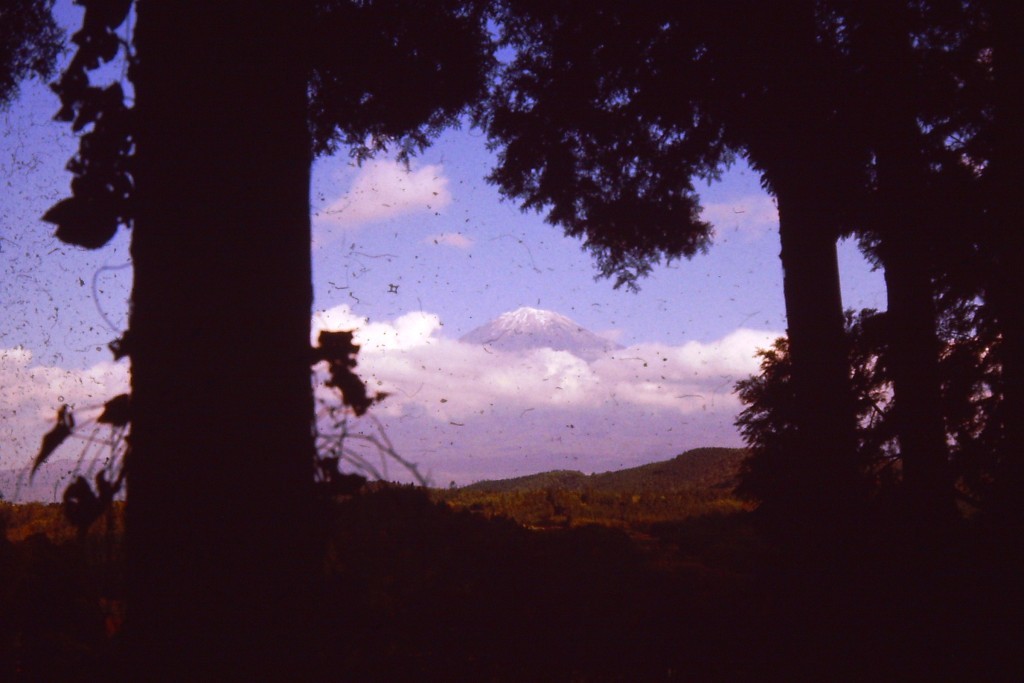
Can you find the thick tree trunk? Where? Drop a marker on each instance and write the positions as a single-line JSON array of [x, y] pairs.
[[906, 226], [1005, 177], [913, 356], [220, 468], [790, 136], [830, 477]]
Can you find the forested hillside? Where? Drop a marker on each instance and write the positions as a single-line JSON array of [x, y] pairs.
[[442, 590], [698, 469], [698, 482]]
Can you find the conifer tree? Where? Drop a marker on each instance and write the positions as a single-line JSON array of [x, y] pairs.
[[609, 112]]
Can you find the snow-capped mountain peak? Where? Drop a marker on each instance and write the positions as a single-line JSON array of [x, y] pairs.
[[531, 328], [526, 317]]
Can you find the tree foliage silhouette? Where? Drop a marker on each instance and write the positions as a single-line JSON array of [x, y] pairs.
[[772, 474], [29, 44], [906, 95], [874, 119], [971, 405], [931, 91], [609, 112], [1002, 239]]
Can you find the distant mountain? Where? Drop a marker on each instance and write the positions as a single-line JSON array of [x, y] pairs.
[[712, 470], [555, 479], [531, 328]]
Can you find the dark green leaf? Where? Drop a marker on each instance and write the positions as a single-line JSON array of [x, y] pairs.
[[87, 224], [335, 346], [108, 13], [120, 347], [338, 349], [61, 212], [81, 506], [107, 46], [54, 438], [116, 411], [107, 489]]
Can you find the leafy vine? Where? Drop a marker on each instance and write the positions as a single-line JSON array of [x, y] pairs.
[[101, 187]]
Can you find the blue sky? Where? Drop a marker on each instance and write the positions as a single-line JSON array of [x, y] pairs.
[[417, 257]]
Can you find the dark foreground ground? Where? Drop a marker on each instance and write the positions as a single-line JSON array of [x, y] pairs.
[[416, 589]]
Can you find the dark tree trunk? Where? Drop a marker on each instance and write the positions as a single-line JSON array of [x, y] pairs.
[[818, 348], [791, 139], [220, 468], [1005, 177], [908, 229], [913, 360]]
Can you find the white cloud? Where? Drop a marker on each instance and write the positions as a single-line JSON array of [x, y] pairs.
[[753, 214], [382, 190], [450, 239], [454, 407], [612, 335], [30, 395], [464, 411], [407, 331]]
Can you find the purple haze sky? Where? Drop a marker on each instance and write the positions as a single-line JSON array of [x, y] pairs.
[[416, 258]]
